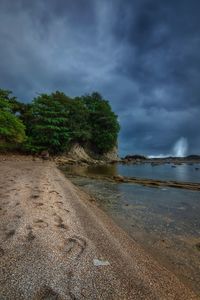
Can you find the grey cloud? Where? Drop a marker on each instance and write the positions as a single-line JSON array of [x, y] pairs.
[[142, 55]]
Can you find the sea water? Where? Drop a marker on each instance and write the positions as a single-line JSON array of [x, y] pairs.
[[164, 220], [183, 172]]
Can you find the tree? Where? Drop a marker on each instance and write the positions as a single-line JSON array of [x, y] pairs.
[[55, 122], [19, 109], [12, 129], [79, 127], [103, 122], [50, 123]]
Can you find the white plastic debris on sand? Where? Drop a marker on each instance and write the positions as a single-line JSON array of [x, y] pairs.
[[98, 262]]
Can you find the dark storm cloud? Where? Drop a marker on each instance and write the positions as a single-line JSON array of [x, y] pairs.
[[142, 55]]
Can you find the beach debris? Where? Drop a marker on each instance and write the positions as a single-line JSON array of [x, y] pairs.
[[98, 262]]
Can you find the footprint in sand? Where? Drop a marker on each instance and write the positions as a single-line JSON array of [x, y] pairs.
[[59, 222], [40, 223], [39, 204], [30, 236], [75, 246], [35, 196], [18, 216], [46, 293], [59, 202], [62, 225], [2, 252], [55, 193], [10, 233]]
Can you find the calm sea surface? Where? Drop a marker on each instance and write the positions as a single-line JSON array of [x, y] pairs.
[[165, 221], [184, 172]]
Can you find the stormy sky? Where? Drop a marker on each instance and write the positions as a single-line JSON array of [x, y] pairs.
[[141, 55]]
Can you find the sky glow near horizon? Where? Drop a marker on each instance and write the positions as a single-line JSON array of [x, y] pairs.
[[143, 56]]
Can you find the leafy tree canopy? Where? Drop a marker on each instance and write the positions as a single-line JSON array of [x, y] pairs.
[[50, 122], [103, 123], [12, 129], [54, 122]]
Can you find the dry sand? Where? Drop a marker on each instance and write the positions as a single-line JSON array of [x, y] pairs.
[[50, 235]]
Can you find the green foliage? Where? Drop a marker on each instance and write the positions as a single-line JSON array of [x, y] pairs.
[[6, 95], [12, 129], [78, 121], [50, 123], [103, 123], [22, 110], [54, 122], [30, 146], [77, 117]]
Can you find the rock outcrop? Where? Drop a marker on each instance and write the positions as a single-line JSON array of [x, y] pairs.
[[112, 155], [79, 154]]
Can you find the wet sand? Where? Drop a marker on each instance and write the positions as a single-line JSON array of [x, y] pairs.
[[51, 234]]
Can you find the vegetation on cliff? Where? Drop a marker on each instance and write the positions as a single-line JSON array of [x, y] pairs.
[[56, 121], [12, 129]]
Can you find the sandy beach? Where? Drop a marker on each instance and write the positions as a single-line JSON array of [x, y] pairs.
[[57, 244]]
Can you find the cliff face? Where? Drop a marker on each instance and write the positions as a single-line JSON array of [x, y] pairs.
[[77, 152], [112, 155]]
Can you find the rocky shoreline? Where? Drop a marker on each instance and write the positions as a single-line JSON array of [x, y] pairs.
[[158, 183], [128, 160], [140, 159], [78, 156], [142, 181], [61, 161]]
